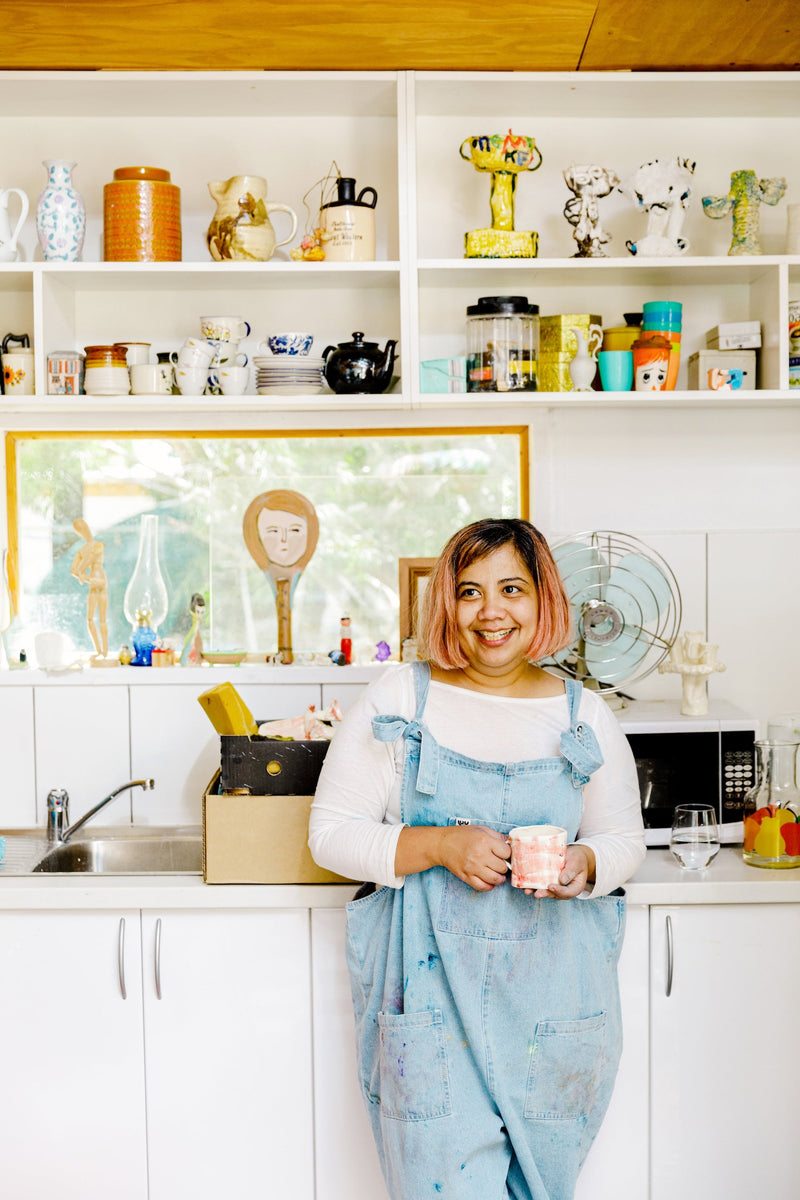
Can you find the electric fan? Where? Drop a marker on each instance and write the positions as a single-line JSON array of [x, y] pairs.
[[626, 608]]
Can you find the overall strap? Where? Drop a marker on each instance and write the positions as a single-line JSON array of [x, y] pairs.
[[387, 728], [579, 745]]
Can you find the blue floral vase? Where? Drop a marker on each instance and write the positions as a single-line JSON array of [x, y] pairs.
[[60, 214]]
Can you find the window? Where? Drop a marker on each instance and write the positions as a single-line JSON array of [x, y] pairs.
[[379, 496]]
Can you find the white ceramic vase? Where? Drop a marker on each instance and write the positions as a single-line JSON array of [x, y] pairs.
[[583, 367], [60, 214]]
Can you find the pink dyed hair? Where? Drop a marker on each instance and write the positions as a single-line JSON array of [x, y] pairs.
[[438, 634]]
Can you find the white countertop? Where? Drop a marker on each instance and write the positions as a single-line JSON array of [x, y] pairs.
[[659, 881]]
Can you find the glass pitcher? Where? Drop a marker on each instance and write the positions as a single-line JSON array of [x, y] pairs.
[[772, 808]]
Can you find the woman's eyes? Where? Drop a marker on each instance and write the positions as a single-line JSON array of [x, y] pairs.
[[470, 593]]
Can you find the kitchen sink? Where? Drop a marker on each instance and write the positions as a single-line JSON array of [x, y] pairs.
[[112, 852]]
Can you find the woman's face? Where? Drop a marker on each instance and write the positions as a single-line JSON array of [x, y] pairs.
[[283, 535], [497, 611]]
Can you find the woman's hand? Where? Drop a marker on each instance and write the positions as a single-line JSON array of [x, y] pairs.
[[475, 854], [578, 869]]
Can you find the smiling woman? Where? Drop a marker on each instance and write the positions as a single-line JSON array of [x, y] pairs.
[[370, 514]]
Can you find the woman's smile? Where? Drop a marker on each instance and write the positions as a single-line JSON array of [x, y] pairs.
[[497, 612]]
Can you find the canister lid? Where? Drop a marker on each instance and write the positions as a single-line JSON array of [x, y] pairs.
[[506, 305], [152, 174]]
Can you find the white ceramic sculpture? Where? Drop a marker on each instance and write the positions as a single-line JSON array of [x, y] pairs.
[[694, 660], [661, 188], [589, 183]]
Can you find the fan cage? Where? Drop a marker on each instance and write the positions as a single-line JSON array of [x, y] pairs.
[[601, 609]]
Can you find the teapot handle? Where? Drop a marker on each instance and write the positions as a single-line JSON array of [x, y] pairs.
[[284, 208], [327, 351], [360, 198]]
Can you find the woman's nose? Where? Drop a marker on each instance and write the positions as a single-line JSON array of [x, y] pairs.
[[492, 606]]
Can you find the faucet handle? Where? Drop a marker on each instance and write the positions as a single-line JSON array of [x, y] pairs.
[[57, 813]]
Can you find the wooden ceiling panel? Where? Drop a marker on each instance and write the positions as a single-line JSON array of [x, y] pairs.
[[366, 35], [694, 35]]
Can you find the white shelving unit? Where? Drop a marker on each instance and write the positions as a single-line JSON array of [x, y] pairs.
[[400, 133]]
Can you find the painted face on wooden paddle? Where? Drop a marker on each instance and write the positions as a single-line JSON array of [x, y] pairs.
[[283, 535]]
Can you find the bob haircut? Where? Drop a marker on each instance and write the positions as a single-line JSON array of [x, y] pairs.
[[438, 633]]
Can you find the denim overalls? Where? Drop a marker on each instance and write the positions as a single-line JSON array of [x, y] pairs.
[[487, 1023]]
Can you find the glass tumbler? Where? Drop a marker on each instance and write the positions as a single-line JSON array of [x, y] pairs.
[[694, 840]]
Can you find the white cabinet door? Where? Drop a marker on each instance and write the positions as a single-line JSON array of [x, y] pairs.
[[227, 999], [347, 1162], [607, 1173], [723, 1104], [72, 1103]]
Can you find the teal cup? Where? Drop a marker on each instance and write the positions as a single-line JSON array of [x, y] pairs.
[[616, 370]]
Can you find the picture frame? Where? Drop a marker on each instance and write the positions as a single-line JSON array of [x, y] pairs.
[[412, 574]]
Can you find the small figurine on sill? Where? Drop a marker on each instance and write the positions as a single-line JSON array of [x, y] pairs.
[[192, 653]]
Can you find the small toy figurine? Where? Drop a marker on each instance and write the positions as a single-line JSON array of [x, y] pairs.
[[311, 248], [661, 188], [192, 653], [346, 640], [383, 651], [589, 183], [743, 200]]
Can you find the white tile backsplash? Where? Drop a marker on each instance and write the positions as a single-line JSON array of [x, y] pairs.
[[18, 806]]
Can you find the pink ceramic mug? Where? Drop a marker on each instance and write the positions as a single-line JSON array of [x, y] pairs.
[[538, 854]]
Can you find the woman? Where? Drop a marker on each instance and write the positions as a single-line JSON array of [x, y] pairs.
[[487, 1018]]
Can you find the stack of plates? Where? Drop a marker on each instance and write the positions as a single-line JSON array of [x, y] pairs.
[[288, 375]]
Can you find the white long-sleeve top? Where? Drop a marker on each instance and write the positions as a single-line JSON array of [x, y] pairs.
[[355, 817]]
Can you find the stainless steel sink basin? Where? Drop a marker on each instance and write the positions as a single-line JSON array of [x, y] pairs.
[[150, 852]]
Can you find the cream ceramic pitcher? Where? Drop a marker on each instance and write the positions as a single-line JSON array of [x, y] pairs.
[[241, 228], [8, 240]]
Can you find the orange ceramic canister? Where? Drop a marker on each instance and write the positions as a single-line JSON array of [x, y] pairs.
[[141, 216]]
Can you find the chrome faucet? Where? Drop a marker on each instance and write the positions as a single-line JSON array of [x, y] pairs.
[[58, 810]]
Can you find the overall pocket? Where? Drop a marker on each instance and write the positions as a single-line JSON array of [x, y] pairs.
[[567, 1069], [414, 1079]]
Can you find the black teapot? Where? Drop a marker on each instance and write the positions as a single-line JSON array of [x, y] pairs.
[[359, 366]]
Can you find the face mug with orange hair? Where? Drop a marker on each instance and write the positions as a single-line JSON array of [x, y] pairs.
[[456, 972]]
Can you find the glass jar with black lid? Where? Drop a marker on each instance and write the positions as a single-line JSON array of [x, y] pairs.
[[502, 345]]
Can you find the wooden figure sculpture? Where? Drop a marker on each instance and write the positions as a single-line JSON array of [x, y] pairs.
[[743, 200], [281, 531], [87, 567]]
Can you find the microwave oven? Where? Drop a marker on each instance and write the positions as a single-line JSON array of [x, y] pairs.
[[684, 760]]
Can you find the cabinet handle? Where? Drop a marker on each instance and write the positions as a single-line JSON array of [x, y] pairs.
[[121, 958], [670, 956], [158, 958]]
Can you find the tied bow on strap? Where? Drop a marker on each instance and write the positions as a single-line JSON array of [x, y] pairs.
[[389, 729], [582, 751]]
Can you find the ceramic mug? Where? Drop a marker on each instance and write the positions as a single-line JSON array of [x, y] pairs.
[[224, 329], [287, 343], [147, 379], [234, 380], [195, 352], [616, 370], [191, 380], [18, 377], [227, 352], [651, 362], [135, 352], [538, 854]]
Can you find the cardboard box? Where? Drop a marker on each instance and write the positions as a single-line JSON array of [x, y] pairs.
[[722, 370], [555, 333], [258, 839], [736, 335]]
